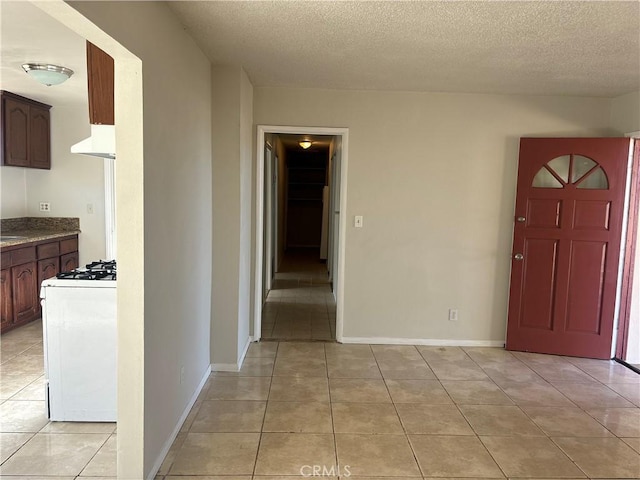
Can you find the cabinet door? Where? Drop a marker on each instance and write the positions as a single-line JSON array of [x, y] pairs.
[[69, 261], [48, 268], [6, 309], [24, 282], [39, 138], [16, 133], [100, 71]]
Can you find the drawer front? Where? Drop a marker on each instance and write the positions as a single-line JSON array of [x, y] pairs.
[[68, 246], [23, 255], [48, 250]]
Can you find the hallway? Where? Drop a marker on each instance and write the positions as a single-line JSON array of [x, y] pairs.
[[300, 305]]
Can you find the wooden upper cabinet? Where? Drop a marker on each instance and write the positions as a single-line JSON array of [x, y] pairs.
[[16, 133], [100, 73], [40, 138], [25, 131]]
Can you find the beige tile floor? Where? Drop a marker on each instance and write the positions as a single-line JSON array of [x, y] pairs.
[[370, 411], [406, 411], [300, 305], [31, 447]]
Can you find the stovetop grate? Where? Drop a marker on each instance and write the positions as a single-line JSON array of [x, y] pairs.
[[100, 270]]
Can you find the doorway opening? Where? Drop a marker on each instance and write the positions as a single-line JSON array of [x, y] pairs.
[[300, 233]]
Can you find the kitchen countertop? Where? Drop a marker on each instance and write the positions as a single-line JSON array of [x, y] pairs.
[[37, 229]]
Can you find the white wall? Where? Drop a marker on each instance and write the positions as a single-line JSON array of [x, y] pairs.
[[282, 200], [625, 113], [164, 236], [73, 182], [13, 192], [232, 133], [434, 177], [246, 207]]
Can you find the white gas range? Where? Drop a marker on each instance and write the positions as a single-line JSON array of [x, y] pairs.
[[80, 343]]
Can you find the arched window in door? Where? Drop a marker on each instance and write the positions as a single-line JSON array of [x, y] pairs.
[[572, 170]]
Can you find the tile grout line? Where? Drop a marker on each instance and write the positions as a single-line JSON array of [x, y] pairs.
[[264, 416], [333, 426], [406, 435]]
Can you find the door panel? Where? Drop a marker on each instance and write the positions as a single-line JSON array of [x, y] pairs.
[[570, 192], [591, 215], [537, 302], [586, 287], [543, 213]]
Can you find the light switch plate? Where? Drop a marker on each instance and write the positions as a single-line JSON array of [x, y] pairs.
[[357, 221]]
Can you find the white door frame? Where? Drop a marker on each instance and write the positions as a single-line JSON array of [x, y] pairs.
[[260, 170]]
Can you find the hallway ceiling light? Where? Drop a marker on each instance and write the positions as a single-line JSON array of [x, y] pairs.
[[305, 144], [48, 74]]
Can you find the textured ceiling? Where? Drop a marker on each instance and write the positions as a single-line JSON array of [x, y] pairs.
[[555, 48], [28, 34]]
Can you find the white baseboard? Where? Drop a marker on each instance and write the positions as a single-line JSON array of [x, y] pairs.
[[224, 367], [436, 342], [233, 367], [244, 352], [165, 449]]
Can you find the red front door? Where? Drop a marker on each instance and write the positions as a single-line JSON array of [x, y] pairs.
[[566, 245]]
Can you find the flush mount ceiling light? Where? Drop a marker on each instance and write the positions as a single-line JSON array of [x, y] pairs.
[[48, 74], [305, 144]]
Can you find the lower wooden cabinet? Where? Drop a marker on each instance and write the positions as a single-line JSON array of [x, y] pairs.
[[24, 269], [24, 283], [6, 308], [69, 262], [48, 268]]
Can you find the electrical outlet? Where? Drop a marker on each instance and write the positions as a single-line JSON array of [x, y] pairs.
[[45, 207], [181, 374], [453, 315]]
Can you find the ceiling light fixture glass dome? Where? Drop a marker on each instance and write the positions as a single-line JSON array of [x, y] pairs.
[[305, 144], [47, 74]]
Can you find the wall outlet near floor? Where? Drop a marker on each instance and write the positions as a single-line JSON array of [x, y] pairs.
[[453, 315], [45, 207], [181, 374]]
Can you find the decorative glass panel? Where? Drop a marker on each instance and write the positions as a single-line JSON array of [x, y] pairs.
[[545, 179], [560, 165], [581, 165], [596, 180]]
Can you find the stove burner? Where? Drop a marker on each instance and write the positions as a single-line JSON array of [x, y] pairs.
[[102, 265], [101, 270]]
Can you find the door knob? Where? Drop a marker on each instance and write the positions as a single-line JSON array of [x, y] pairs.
[[521, 219], [518, 256]]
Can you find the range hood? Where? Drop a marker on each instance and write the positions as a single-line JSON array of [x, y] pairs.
[[101, 143]]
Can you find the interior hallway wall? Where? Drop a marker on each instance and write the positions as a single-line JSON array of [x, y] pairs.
[[232, 135], [164, 221], [434, 177], [282, 199]]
